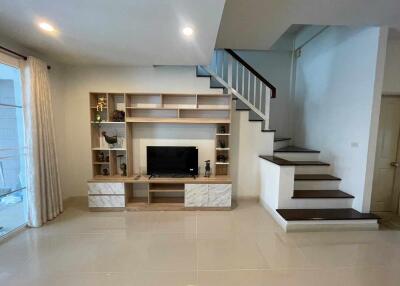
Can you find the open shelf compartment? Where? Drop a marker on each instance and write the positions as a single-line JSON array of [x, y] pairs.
[[143, 100], [116, 102]]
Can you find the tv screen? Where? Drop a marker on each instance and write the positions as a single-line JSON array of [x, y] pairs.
[[170, 161]]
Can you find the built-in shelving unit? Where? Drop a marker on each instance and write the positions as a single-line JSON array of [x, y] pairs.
[[178, 108], [174, 108]]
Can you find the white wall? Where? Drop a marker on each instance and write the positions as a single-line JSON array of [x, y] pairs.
[[336, 93], [202, 136], [247, 143], [391, 82], [276, 67]]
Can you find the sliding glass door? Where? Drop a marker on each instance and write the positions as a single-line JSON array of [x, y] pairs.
[[12, 150]]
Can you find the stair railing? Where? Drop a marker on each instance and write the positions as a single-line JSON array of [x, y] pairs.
[[242, 80]]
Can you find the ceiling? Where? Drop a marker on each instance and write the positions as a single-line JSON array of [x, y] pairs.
[[148, 32], [258, 24], [123, 32]]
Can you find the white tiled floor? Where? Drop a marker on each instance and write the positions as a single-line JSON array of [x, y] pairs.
[[241, 247]]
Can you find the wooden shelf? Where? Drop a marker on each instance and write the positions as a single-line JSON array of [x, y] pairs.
[[177, 201], [158, 204], [222, 179], [214, 95], [226, 108], [108, 149], [223, 134], [221, 163], [222, 149], [166, 188], [101, 163], [108, 178], [176, 120], [107, 122]]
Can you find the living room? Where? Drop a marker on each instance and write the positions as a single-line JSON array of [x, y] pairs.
[[167, 142]]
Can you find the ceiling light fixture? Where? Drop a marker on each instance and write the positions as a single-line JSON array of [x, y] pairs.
[[46, 26], [187, 31]]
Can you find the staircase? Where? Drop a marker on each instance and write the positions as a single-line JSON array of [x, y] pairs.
[[314, 199]]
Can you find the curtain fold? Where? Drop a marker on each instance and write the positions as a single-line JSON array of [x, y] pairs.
[[43, 184]]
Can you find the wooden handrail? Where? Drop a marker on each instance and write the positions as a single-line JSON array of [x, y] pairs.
[[253, 71]]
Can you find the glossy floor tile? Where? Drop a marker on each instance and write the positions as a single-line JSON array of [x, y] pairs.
[[240, 247]]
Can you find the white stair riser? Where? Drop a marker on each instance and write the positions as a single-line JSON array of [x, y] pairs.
[[320, 203], [313, 170], [281, 144], [316, 185], [332, 225], [297, 156]]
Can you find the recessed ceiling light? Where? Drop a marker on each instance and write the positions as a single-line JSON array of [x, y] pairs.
[[187, 31], [46, 26]]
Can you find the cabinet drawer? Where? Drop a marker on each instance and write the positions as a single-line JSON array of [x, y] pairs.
[[106, 189], [196, 195], [219, 195], [106, 201]]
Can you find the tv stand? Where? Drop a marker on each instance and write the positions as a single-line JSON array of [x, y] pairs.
[[163, 193]]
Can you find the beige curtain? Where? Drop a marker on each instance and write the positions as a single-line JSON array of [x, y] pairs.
[[43, 184]]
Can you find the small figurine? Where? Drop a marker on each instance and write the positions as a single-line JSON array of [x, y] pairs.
[[207, 172], [98, 118], [221, 158], [105, 172], [100, 157], [222, 144], [101, 103], [122, 166], [112, 140], [118, 116], [123, 169]]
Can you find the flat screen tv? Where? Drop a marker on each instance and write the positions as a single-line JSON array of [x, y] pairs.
[[172, 161]]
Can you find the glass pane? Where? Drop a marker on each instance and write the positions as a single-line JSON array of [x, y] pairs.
[[12, 151], [12, 211]]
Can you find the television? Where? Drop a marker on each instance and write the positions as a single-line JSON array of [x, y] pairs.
[[172, 161]]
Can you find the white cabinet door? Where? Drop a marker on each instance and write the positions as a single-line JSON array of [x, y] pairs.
[[106, 201], [196, 195], [106, 189], [219, 195]]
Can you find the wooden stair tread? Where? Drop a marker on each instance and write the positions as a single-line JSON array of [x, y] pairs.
[[310, 163], [278, 139], [283, 162], [295, 149], [321, 194], [315, 177], [324, 214]]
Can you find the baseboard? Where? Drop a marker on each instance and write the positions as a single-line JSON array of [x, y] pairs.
[[275, 215]]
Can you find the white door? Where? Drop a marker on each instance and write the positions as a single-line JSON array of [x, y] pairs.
[[385, 187]]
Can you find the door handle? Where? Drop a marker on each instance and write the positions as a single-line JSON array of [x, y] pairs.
[[395, 164]]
